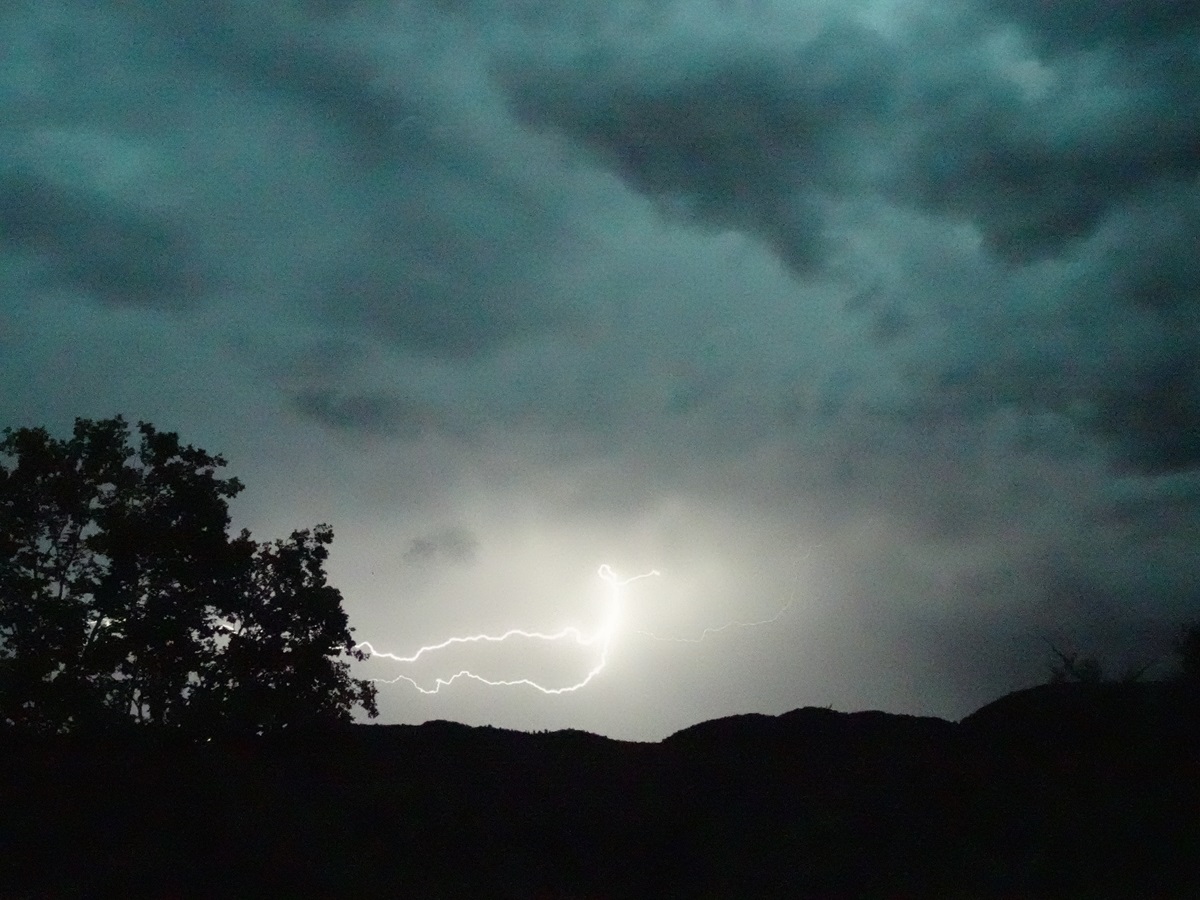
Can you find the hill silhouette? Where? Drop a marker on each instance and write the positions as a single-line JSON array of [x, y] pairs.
[[1059, 790]]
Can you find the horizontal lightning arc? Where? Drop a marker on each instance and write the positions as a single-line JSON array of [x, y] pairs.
[[477, 638], [446, 682], [603, 637]]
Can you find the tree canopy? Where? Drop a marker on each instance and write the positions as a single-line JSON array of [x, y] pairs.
[[123, 596]]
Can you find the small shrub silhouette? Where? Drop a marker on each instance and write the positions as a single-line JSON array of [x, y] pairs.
[[1071, 667]]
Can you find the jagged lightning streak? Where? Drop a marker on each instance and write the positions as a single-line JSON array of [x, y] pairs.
[[603, 637]]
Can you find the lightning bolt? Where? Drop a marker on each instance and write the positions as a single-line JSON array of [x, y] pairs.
[[603, 637]]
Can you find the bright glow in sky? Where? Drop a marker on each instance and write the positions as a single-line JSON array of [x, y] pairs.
[[600, 638]]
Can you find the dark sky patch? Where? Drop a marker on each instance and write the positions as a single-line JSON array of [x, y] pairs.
[[1039, 153], [371, 415], [118, 255], [1065, 25], [268, 50], [455, 545], [728, 141]]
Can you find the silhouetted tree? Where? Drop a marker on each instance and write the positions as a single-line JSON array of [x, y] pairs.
[[50, 500], [170, 566], [277, 665], [119, 584]]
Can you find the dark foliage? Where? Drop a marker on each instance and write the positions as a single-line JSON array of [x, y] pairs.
[[123, 597]]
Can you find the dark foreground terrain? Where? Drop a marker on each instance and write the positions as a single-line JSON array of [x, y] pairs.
[[1063, 791]]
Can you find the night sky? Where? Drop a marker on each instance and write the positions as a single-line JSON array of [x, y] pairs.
[[886, 311]]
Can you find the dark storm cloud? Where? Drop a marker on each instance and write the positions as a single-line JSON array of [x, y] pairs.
[[1154, 410], [322, 359], [365, 414], [1076, 24], [1159, 504], [260, 48], [452, 251], [453, 277], [763, 139], [1118, 354], [1034, 175], [1146, 258], [449, 252], [1107, 118], [117, 254], [731, 140], [280, 133], [453, 545]]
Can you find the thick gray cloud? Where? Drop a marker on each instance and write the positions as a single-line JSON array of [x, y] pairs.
[[269, 49], [942, 111], [885, 310], [210, 139], [1039, 166], [121, 256], [748, 140], [376, 414], [1067, 25]]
